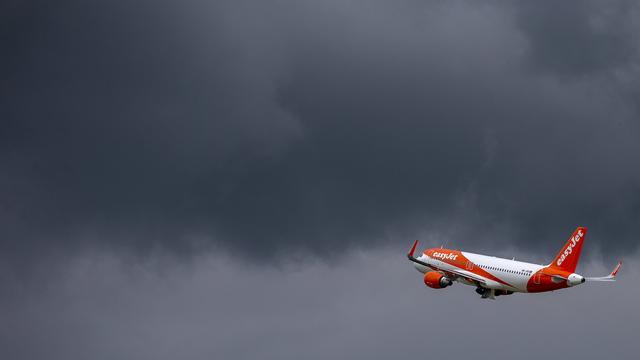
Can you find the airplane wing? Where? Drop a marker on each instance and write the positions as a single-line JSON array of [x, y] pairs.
[[610, 277], [467, 275]]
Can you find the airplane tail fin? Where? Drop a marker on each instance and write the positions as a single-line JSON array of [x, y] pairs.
[[567, 258]]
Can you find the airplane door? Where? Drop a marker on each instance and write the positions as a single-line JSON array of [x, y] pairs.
[[536, 278], [469, 265]]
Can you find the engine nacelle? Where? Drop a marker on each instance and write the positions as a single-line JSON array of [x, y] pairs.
[[436, 280]]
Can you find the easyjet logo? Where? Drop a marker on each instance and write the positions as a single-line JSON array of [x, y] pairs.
[[444, 256], [574, 240]]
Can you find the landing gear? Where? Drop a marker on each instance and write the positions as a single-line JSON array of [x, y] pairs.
[[491, 293], [486, 293]]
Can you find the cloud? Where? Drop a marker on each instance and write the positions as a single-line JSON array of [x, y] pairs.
[[279, 127], [373, 305], [580, 38], [241, 179]]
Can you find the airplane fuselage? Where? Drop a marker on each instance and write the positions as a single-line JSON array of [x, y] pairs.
[[493, 276], [498, 273]]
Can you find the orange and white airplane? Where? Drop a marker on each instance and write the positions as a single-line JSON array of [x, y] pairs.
[[493, 276]]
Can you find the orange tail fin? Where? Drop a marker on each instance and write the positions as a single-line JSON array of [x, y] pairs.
[[567, 258]]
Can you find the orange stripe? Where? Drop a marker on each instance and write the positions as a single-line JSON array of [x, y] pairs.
[[455, 258]]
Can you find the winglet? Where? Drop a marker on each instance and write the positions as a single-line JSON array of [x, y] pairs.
[[413, 249], [617, 268]]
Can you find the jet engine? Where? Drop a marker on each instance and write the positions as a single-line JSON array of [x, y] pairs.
[[436, 280]]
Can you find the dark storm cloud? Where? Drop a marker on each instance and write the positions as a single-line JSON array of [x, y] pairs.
[[274, 126], [580, 38], [285, 127]]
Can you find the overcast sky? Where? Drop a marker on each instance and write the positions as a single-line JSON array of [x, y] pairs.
[[241, 179]]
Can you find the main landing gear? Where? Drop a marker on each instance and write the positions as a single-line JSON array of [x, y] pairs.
[[491, 293]]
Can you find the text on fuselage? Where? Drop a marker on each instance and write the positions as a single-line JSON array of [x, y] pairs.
[[444, 256]]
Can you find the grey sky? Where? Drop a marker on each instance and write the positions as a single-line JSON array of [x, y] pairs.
[[371, 306], [212, 131]]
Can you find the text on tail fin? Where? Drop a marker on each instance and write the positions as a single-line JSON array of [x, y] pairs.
[[567, 258]]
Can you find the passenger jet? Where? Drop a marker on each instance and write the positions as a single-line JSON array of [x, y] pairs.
[[493, 276]]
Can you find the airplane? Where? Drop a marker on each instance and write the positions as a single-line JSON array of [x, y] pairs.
[[493, 276]]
